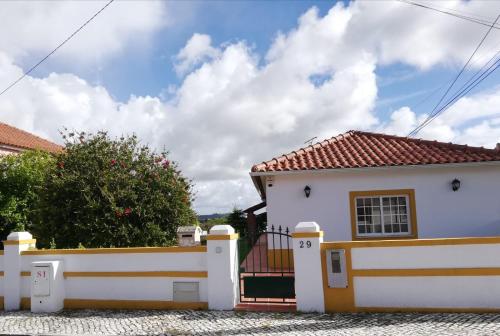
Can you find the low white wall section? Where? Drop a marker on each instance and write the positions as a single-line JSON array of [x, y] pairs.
[[459, 292], [107, 276], [414, 257]]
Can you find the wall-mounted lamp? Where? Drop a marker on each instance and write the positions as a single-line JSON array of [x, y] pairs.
[[455, 184], [307, 191]]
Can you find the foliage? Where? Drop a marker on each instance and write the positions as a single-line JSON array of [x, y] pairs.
[[107, 192], [238, 220], [21, 179], [207, 225]]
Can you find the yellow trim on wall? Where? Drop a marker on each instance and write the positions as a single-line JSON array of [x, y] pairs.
[[223, 237], [19, 242], [25, 303], [170, 249], [487, 271], [418, 242], [338, 299], [25, 273], [307, 234], [1, 273], [131, 304], [169, 274], [281, 259], [413, 212]]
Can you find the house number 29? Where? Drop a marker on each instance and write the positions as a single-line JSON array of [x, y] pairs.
[[307, 244]]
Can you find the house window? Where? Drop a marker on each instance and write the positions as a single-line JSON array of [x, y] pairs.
[[383, 213]]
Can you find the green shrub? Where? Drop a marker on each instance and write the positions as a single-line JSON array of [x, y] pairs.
[[22, 178]]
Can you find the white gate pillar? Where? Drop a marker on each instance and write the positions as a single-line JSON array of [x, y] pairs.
[[16, 243], [223, 265], [307, 240]]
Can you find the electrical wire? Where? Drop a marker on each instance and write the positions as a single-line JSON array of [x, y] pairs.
[[55, 49], [434, 113]]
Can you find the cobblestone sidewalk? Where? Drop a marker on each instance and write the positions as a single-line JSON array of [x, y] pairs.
[[91, 322]]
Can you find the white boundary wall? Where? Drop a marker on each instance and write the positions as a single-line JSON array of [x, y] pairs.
[[128, 278], [459, 291], [126, 287]]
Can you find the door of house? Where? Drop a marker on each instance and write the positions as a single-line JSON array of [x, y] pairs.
[[266, 267]]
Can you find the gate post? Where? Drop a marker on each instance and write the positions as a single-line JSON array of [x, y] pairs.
[[223, 264], [16, 243], [307, 240]]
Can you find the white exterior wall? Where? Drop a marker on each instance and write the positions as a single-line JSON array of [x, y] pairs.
[[123, 288], [417, 257], [124, 262], [473, 210], [428, 292], [478, 291]]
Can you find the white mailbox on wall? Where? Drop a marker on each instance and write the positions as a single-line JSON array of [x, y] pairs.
[[47, 286], [336, 267]]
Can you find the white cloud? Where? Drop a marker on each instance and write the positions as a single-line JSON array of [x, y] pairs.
[[233, 109], [36, 27], [198, 49]]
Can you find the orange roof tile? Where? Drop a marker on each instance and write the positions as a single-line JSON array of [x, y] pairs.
[[14, 137], [356, 149]]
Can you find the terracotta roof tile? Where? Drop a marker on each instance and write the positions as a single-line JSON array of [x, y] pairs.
[[14, 137], [356, 149]]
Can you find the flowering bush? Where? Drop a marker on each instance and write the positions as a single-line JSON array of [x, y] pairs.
[[107, 192]]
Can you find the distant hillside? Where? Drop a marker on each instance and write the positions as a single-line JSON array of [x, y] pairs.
[[204, 218]]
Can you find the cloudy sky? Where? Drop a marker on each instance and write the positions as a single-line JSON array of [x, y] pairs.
[[224, 85]]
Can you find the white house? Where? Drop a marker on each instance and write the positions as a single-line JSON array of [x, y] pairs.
[[362, 185]]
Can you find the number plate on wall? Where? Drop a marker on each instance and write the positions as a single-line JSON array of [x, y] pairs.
[[41, 281]]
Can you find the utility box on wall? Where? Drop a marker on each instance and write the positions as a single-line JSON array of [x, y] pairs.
[[47, 286]]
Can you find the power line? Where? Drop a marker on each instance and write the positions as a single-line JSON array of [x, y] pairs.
[[55, 49], [433, 112], [447, 12], [464, 91]]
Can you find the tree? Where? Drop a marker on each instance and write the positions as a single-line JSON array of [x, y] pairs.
[[112, 192], [238, 220], [22, 177]]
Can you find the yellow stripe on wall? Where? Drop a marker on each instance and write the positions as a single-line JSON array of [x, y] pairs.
[[170, 274], [426, 272], [171, 249], [25, 303], [25, 273], [131, 304]]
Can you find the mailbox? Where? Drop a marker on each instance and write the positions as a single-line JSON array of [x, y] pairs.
[[189, 235], [336, 267], [47, 286]]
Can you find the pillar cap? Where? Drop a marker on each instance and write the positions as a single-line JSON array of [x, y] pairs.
[[19, 236], [307, 227], [221, 230]]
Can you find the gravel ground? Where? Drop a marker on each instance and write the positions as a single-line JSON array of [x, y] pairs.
[[93, 322]]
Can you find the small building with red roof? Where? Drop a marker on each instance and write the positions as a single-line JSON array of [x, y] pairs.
[[362, 185], [14, 140]]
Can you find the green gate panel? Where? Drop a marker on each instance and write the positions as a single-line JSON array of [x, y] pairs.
[[269, 287]]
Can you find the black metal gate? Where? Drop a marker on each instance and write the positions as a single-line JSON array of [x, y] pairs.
[[266, 267]]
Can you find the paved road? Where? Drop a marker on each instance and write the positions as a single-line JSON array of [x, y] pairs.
[[91, 322]]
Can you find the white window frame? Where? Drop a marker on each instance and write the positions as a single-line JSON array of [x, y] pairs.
[[383, 233]]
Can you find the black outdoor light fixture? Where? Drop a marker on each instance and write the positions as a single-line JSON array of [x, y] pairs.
[[307, 191], [455, 184]]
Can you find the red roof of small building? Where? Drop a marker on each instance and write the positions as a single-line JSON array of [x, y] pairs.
[[356, 149], [14, 137]]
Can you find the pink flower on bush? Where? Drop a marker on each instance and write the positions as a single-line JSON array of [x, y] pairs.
[[60, 165], [127, 211], [166, 164], [113, 162]]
